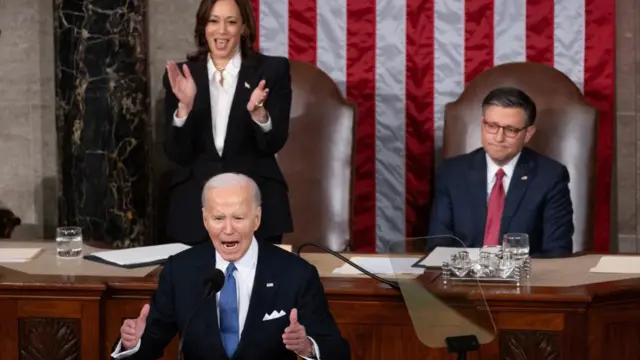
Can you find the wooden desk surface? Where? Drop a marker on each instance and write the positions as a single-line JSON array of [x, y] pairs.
[[552, 280], [533, 321]]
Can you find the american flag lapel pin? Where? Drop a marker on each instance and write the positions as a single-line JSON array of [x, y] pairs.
[[246, 84], [524, 177]]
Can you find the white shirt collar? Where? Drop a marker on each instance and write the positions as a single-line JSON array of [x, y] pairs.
[[508, 168], [246, 263], [233, 67]]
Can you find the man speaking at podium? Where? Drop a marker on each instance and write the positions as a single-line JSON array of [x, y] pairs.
[[272, 304], [504, 187]]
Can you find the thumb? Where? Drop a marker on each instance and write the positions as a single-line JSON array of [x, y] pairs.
[[293, 317], [144, 313], [262, 84]]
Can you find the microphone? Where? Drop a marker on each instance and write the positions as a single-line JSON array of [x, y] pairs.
[[213, 283], [391, 283]]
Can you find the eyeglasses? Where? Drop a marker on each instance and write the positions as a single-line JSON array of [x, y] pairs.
[[508, 131]]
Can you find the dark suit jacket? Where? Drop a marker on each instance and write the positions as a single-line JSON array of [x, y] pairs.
[[247, 148], [296, 285], [538, 203]]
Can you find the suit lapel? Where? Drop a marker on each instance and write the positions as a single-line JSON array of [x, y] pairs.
[[244, 87], [263, 296], [203, 102], [209, 310], [522, 176], [477, 187]]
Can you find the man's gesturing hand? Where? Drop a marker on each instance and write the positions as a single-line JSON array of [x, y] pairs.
[[295, 337], [132, 329]]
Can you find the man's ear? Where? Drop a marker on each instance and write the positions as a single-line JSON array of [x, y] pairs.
[[258, 218], [204, 218], [530, 131]]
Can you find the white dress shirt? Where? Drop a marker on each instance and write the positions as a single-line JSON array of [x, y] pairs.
[[245, 274], [221, 98], [492, 169]]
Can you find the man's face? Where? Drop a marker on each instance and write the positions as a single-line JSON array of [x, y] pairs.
[[231, 217], [504, 132]]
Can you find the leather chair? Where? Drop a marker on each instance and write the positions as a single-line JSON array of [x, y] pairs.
[[566, 130], [8, 222], [317, 160]]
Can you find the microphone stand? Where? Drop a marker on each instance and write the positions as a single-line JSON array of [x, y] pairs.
[[209, 291], [391, 283], [461, 345]]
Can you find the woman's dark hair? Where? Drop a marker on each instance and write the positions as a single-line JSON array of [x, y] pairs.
[[247, 39]]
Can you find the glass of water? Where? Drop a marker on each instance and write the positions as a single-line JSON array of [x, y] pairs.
[[517, 244], [69, 242]]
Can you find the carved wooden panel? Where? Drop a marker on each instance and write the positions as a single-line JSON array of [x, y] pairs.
[[49, 339], [530, 345]]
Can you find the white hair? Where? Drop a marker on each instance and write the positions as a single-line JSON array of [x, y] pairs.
[[227, 180]]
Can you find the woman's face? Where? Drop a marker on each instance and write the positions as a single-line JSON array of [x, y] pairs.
[[224, 29]]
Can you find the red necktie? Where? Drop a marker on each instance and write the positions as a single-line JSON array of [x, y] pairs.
[[494, 212]]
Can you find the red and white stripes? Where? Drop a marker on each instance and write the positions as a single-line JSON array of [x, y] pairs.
[[401, 61]]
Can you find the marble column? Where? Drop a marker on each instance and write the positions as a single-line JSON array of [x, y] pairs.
[[102, 118]]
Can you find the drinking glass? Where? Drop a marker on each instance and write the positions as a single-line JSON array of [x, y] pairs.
[[517, 244], [69, 242]]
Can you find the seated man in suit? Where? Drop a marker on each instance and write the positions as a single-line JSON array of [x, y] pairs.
[[504, 187], [261, 279]]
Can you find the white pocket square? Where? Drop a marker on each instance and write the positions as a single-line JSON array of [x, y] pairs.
[[273, 315]]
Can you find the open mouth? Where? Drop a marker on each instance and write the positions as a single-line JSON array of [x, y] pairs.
[[221, 44], [230, 244]]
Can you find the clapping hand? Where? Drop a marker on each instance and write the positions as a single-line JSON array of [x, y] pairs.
[[183, 87], [256, 102], [295, 337], [132, 329]]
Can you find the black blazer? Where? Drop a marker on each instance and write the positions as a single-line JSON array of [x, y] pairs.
[[247, 148], [538, 203], [296, 284]]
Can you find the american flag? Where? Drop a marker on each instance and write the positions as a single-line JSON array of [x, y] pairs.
[[401, 61]]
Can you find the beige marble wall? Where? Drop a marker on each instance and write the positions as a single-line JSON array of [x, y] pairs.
[[28, 161], [171, 25], [627, 186], [27, 131]]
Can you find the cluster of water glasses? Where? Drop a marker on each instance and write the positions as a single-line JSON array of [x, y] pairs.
[[493, 264]]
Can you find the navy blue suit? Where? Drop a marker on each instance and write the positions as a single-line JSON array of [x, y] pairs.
[[293, 283], [537, 203]]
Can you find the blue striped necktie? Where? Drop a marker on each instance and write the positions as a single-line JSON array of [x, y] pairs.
[[228, 307]]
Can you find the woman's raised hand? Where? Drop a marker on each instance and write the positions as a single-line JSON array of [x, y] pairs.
[[183, 87]]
